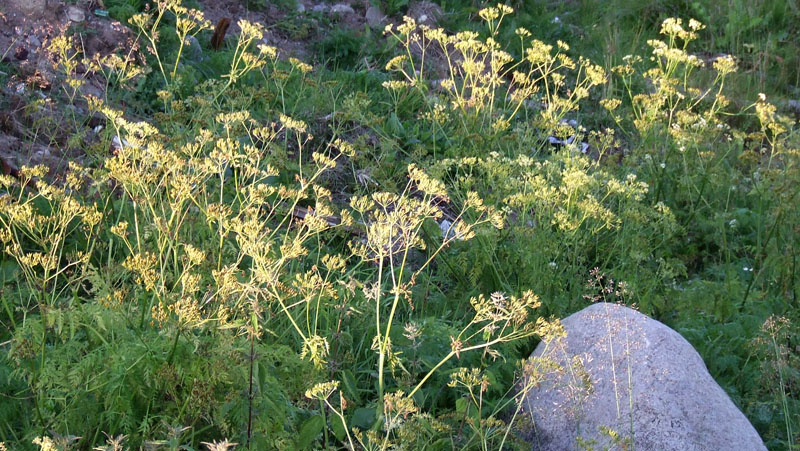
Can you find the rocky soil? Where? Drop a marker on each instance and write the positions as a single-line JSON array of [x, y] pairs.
[[32, 110]]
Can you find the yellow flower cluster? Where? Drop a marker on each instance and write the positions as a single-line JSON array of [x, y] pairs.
[[144, 265], [477, 82], [322, 391]]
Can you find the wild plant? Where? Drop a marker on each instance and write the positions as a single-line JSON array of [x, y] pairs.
[[688, 144], [37, 227], [188, 22], [717, 169], [484, 86], [498, 319], [66, 59], [560, 207], [779, 372], [207, 244], [232, 269], [51, 235]]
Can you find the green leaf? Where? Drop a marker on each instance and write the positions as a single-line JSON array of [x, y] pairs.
[[338, 427], [260, 375], [395, 126], [309, 431], [254, 321], [461, 406], [349, 385], [9, 270], [363, 418]]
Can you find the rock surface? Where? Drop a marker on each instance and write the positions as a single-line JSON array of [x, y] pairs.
[[75, 14], [657, 395], [374, 17], [794, 105], [341, 8], [193, 47]]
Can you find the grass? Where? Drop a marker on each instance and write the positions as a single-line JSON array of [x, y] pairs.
[[294, 256]]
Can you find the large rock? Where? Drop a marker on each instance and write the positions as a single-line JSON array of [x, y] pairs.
[[620, 372], [375, 17]]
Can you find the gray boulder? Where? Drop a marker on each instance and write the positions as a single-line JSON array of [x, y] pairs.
[[193, 48], [375, 17], [621, 380]]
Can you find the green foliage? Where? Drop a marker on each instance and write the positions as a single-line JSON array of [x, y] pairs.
[[122, 10], [342, 48], [763, 35], [391, 7], [289, 257]]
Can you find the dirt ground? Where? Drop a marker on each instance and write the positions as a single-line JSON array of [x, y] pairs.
[[32, 129]]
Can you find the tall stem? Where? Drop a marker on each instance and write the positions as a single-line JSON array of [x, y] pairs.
[[378, 331], [174, 346], [250, 391]]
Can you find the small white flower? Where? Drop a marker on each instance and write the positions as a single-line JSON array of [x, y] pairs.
[[663, 165], [553, 265]]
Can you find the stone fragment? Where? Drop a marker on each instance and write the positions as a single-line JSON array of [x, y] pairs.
[[34, 41], [341, 8], [75, 14], [425, 12], [193, 48], [619, 370], [374, 17]]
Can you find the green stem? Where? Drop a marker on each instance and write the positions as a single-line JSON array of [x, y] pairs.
[[174, 346], [378, 332], [178, 58]]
